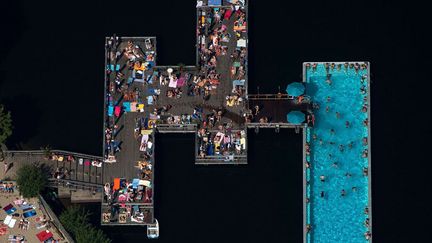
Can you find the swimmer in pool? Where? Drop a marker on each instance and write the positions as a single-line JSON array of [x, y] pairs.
[[335, 165], [347, 124], [314, 136], [348, 175], [321, 141], [328, 98], [354, 189], [350, 145], [332, 131], [322, 194], [341, 147], [327, 108], [365, 171], [343, 193], [322, 178]]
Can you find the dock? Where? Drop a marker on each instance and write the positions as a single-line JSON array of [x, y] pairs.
[[209, 99]]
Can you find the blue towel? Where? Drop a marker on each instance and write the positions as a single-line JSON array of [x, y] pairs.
[[135, 183], [11, 211], [150, 100], [126, 106], [112, 67], [117, 68], [110, 110], [130, 80]]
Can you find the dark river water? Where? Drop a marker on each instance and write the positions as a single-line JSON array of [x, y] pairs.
[[52, 67]]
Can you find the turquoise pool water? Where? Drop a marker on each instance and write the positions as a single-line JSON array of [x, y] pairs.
[[336, 218]]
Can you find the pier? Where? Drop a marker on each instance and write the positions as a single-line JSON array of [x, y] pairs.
[[209, 99]]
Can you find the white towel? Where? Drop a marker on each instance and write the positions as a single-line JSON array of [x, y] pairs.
[[7, 219], [12, 223]]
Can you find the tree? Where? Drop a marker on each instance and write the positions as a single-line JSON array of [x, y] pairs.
[[5, 124], [31, 180], [76, 221]]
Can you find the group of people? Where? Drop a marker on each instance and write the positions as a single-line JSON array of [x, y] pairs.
[[217, 29], [7, 187], [128, 62], [342, 147], [123, 191], [224, 142], [331, 66]]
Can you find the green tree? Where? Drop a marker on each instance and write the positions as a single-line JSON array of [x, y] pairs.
[[5, 124], [76, 221], [31, 180]]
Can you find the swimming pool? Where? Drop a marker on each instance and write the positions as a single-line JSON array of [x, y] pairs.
[[336, 153]]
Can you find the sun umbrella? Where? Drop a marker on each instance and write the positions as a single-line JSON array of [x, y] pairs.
[[296, 117], [295, 89]]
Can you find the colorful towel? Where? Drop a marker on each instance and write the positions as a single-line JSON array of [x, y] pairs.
[[29, 214], [117, 111], [181, 82], [110, 110], [135, 183], [227, 15], [127, 106], [116, 184]]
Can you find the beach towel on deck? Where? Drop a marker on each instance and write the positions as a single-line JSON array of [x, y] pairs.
[[110, 110], [116, 184], [141, 107], [144, 138], [181, 82], [215, 2], [29, 214], [144, 183], [12, 223], [148, 132], [172, 83], [7, 219], [135, 183], [126, 106], [9, 209], [227, 15], [150, 100], [117, 111]]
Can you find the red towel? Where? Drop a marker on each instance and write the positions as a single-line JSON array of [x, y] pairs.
[[227, 15], [117, 111], [44, 235]]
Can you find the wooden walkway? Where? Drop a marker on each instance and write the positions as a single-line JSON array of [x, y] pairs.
[[80, 169]]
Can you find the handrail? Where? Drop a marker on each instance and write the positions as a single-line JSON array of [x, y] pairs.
[[42, 152], [75, 183], [55, 220]]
